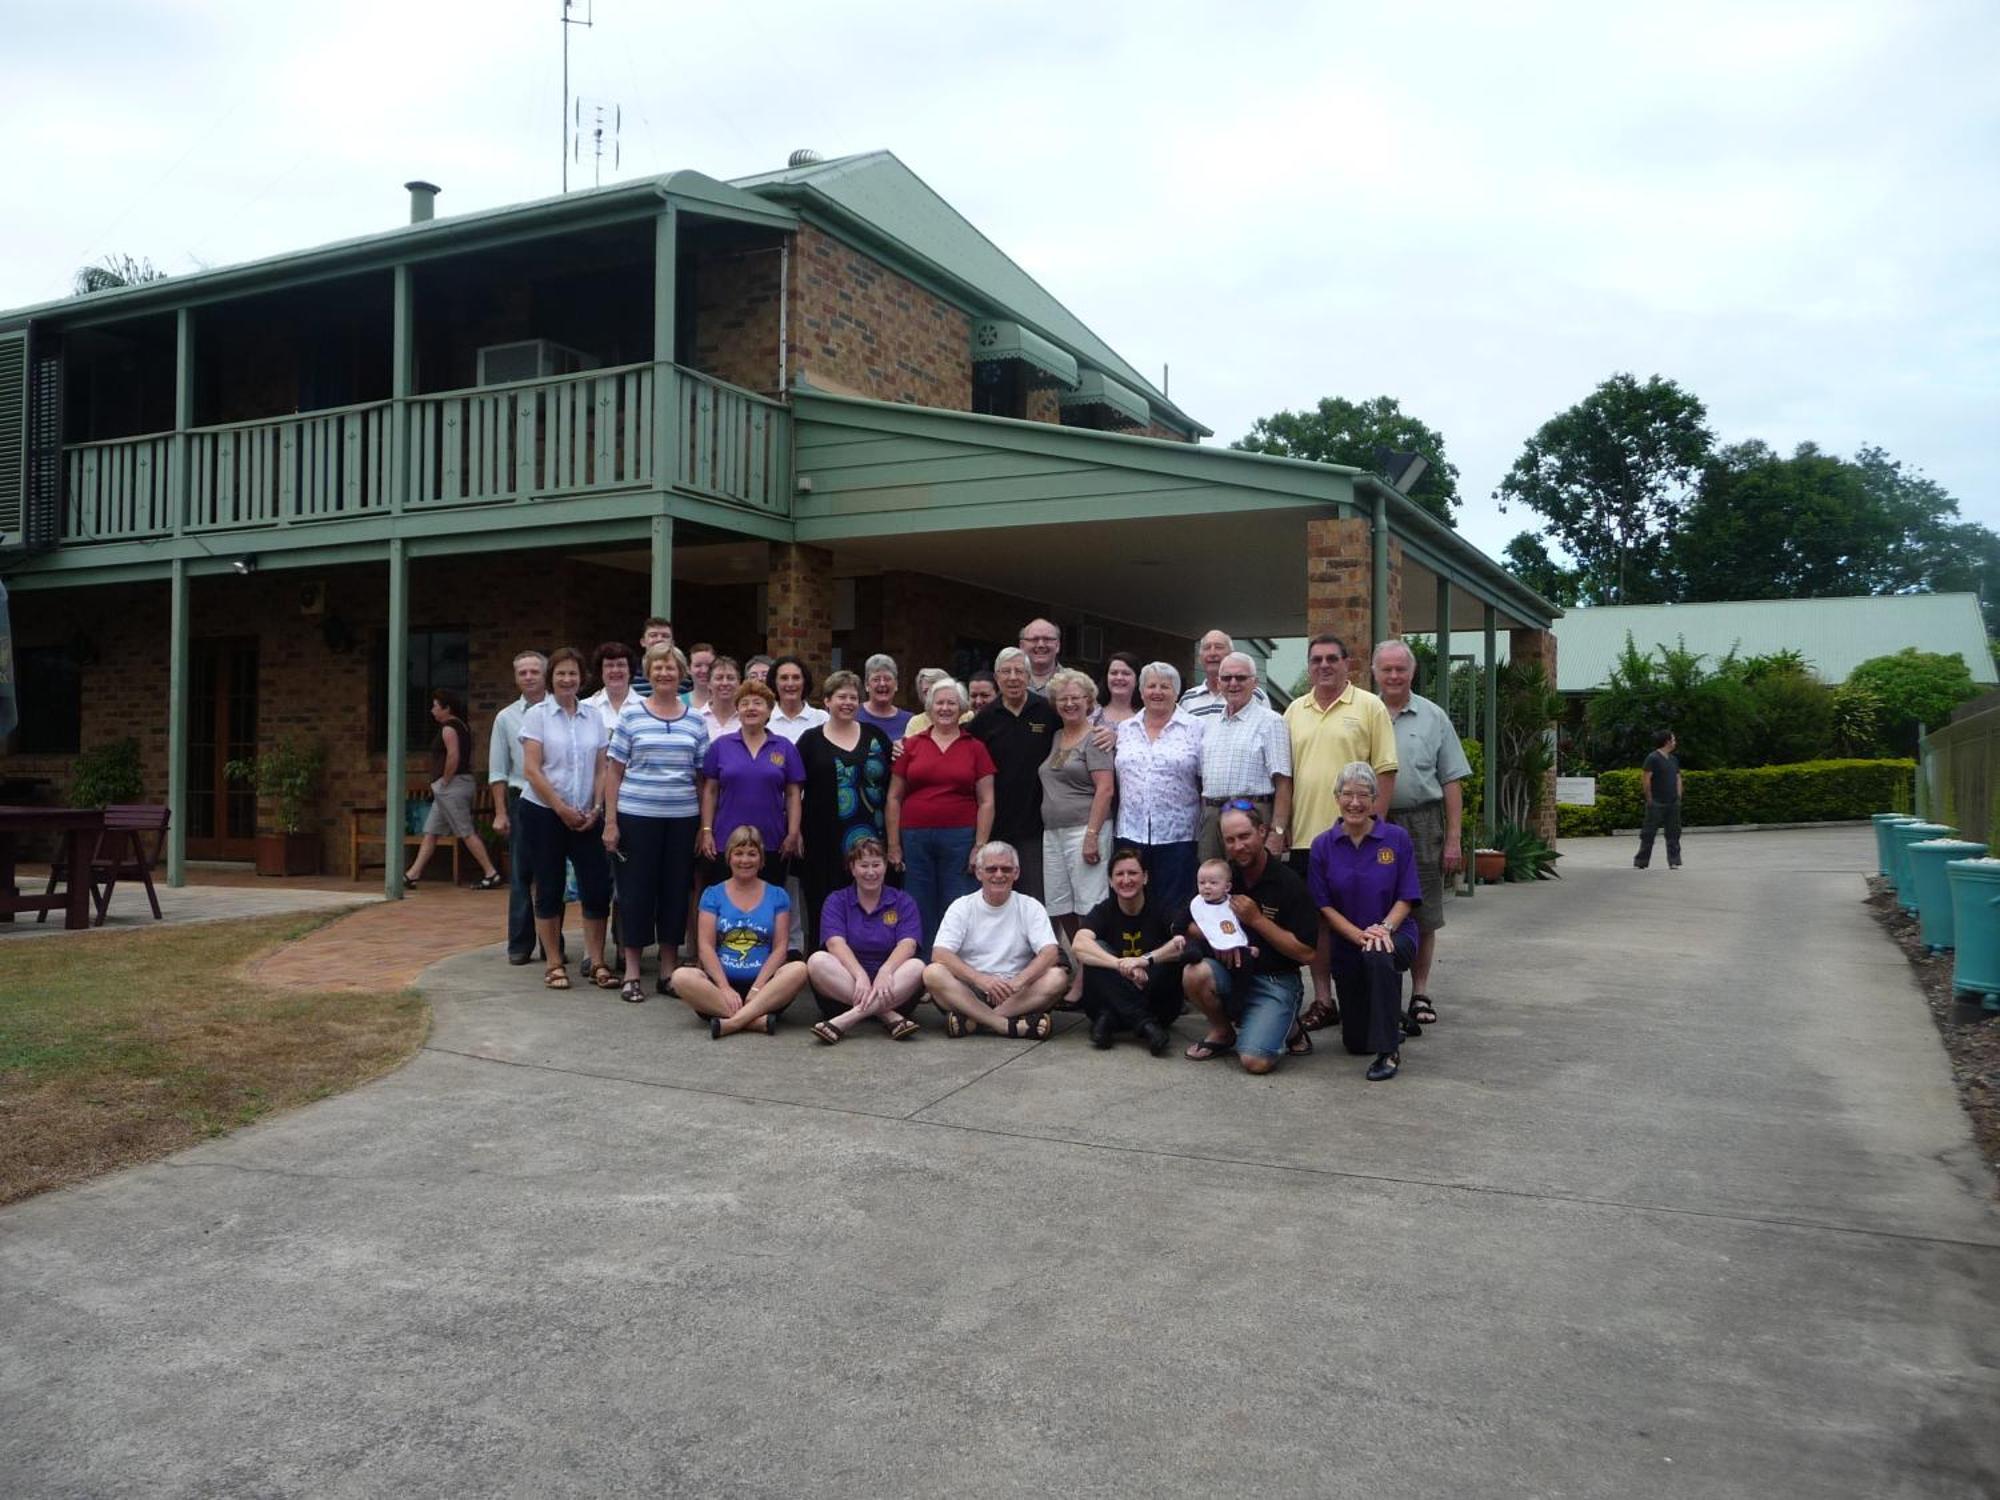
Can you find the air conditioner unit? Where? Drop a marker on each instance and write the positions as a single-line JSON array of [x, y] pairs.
[[531, 359]]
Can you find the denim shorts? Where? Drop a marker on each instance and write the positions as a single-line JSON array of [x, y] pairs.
[[1262, 1007]]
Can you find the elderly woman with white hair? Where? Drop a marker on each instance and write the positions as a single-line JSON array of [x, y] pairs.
[[1159, 785], [927, 678], [1362, 874], [878, 680], [940, 808]]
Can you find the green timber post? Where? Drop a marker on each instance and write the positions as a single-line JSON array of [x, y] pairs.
[[177, 721], [1922, 802], [402, 385], [178, 479], [666, 393], [1441, 689], [396, 712], [663, 566], [1489, 740], [1378, 574]]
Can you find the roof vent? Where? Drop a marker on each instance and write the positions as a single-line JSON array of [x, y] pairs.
[[805, 156], [423, 201]]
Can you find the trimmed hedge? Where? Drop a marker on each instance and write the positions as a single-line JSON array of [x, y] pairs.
[[1812, 791]]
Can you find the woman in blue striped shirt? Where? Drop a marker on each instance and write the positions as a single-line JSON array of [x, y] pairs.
[[652, 811]]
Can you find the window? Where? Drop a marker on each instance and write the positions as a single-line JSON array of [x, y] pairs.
[[438, 659], [49, 693], [1000, 388]]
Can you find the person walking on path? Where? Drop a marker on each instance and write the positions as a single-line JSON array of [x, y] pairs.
[[453, 792], [1660, 783], [1427, 803]]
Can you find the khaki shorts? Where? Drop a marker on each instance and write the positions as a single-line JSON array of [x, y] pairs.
[[1424, 824], [451, 808]]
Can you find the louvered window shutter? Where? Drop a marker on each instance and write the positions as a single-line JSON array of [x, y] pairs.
[[42, 503], [13, 440]]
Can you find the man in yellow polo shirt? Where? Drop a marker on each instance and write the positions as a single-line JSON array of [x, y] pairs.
[[1334, 724]]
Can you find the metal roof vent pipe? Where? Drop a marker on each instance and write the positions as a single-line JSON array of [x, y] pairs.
[[423, 201], [805, 156]]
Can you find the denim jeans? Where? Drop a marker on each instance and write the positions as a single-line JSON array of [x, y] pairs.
[[934, 873], [1262, 1007], [520, 885]]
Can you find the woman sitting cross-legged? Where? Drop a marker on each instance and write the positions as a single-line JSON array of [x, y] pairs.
[[743, 978], [1363, 877], [1130, 949], [869, 964]]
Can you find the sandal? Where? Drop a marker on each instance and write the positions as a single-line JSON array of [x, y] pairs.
[[632, 991], [603, 977], [1300, 1042], [956, 1026], [1210, 1046], [904, 1029], [1035, 1028], [1384, 1067], [1422, 1011], [771, 1024], [1320, 1013], [557, 977], [715, 1028], [827, 1032], [491, 882]]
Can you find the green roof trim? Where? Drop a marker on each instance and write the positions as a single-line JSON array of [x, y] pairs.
[[994, 340], [1095, 388], [877, 194]]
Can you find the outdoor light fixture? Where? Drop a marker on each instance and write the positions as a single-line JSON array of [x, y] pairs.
[[245, 565]]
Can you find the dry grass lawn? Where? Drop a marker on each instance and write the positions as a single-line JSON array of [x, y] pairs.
[[119, 1048]]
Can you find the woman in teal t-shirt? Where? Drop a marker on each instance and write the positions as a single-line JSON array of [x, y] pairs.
[[744, 976]]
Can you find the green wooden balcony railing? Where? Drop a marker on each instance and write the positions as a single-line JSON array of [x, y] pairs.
[[534, 440]]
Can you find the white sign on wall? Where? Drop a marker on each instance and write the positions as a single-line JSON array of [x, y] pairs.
[[1576, 791]]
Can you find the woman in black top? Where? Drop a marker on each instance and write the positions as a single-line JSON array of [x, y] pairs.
[[847, 764], [452, 792], [1130, 947]]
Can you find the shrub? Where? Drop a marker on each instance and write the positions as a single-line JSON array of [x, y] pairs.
[[1794, 718], [1813, 791], [1472, 791], [1916, 688], [1712, 713], [1528, 858], [1857, 721], [1580, 822], [106, 774]]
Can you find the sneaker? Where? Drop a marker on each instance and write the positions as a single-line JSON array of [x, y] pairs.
[[520, 958]]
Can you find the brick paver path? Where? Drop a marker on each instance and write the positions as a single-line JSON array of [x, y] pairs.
[[384, 946]]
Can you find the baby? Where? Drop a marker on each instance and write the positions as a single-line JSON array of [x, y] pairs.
[[1213, 916]]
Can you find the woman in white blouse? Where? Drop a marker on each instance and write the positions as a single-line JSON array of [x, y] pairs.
[[1159, 785], [562, 756]]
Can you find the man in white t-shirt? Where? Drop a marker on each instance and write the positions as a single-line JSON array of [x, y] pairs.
[[994, 967]]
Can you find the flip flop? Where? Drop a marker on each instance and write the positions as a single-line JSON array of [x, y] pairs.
[[1209, 1046]]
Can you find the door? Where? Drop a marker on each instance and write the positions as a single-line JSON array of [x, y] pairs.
[[222, 726]]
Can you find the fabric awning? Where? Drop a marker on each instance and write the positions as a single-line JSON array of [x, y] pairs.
[[1095, 388], [994, 340]]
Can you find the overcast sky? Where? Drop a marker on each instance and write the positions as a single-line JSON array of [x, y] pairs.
[[1481, 209]]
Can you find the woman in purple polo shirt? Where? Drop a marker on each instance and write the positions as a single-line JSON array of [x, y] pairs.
[[868, 965], [1363, 877], [752, 779]]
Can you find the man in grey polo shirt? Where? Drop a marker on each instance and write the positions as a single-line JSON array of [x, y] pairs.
[[1246, 756], [1427, 803]]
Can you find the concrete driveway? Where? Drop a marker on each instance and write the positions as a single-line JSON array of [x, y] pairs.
[[1676, 1200]]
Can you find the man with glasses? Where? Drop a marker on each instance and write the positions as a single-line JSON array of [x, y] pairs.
[[994, 966], [1042, 641], [1334, 724], [1246, 758], [1204, 700]]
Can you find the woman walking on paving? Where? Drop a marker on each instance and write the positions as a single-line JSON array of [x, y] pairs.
[[562, 755], [744, 976], [652, 811], [452, 792]]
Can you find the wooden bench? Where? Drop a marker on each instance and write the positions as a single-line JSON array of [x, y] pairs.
[[365, 827], [121, 852]]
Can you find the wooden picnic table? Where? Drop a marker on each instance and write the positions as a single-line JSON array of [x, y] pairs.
[[80, 827]]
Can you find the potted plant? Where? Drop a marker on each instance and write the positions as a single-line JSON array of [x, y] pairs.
[[1490, 865], [288, 775]]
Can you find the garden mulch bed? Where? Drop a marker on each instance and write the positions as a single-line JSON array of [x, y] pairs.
[[1971, 1033]]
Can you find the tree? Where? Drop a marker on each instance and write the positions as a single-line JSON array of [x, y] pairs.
[[1339, 431], [1712, 713], [1610, 476], [1528, 559], [1916, 688], [115, 271]]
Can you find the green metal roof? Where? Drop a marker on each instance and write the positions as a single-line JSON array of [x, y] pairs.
[[1095, 388], [994, 339], [876, 190], [693, 191], [1834, 635]]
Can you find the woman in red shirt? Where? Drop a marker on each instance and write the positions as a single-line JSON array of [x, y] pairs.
[[940, 808]]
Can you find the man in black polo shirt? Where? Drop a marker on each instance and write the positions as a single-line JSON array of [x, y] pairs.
[[1017, 732], [1252, 1004]]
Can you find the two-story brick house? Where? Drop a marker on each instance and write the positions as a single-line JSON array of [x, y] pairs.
[[813, 410]]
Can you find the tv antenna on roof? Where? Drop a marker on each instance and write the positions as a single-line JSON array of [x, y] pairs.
[[586, 21], [601, 138]]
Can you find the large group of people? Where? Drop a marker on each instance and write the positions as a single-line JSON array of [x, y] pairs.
[[1123, 845]]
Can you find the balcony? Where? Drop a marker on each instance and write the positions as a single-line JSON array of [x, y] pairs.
[[539, 440]]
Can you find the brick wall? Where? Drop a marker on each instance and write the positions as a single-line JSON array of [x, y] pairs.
[[799, 607], [859, 327], [1337, 586], [737, 293], [1539, 646]]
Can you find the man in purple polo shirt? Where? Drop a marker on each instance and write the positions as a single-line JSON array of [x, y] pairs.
[[1363, 876]]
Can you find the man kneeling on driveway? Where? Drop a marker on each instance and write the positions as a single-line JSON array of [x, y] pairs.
[[994, 965], [1252, 1003]]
